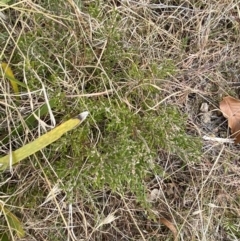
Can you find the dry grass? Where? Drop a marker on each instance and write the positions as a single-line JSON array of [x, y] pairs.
[[145, 56]]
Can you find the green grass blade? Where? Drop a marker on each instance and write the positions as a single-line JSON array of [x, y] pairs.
[[41, 142], [13, 222], [7, 72]]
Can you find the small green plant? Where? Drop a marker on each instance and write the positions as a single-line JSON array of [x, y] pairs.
[[123, 148], [231, 225]]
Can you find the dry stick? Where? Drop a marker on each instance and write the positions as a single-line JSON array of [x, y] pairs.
[[217, 139], [134, 221]]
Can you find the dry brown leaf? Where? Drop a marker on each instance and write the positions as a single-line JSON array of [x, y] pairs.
[[230, 108], [171, 227]]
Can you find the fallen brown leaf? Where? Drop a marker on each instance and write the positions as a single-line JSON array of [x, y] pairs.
[[170, 226], [230, 108]]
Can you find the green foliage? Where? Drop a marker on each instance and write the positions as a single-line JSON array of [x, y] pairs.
[[12, 222], [231, 226], [123, 148], [117, 146]]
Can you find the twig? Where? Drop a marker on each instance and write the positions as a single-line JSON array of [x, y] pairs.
[[217, 139]]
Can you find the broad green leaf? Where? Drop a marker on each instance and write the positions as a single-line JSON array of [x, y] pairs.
[[12, 221], [41, 142]]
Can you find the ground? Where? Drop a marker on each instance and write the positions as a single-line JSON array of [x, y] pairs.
[[145, 164]]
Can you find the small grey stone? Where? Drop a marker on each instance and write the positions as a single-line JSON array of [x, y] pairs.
[[204, 107]]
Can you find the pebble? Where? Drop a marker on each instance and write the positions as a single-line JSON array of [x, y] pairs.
[[204, 107], [206, 115]]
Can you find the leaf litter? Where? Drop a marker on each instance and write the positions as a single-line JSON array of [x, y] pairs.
[[230, 107]]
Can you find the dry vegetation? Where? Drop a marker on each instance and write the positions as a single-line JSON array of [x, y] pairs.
[[151, 75]]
